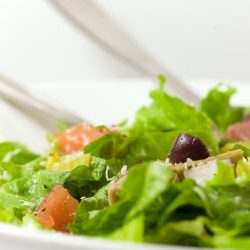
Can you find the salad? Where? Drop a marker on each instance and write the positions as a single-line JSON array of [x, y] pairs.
[[177, 175]]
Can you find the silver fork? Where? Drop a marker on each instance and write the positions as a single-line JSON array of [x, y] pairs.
[[105, 31], [91, 19], [44, 109]]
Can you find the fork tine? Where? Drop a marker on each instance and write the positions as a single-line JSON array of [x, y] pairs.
[[90, 18], [17, 102], [28, 99]]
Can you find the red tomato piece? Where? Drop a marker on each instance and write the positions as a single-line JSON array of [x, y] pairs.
[[58, 209], [74, 139], [239, 131]]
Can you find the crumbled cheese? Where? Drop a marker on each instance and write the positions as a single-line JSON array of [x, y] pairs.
[[185, 165], [167, 161], [190, 163], [202, 173], [124, 169]]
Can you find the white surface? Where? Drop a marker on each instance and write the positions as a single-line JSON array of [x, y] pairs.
[[198, 39]]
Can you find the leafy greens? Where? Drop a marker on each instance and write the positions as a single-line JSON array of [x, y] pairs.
[[217, 106], [153, 131], [153, 205]]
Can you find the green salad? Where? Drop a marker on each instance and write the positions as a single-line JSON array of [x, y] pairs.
[[178, 175]]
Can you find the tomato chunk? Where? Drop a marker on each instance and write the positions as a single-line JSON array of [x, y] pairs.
[[74, 139], [239, 131], [58, 209]]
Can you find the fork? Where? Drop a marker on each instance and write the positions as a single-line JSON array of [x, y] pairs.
[[92, 20], [44, 109]]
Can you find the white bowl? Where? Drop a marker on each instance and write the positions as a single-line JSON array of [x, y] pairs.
[[103, 102]]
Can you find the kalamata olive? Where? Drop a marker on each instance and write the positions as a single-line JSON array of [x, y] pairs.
[[187, 146]]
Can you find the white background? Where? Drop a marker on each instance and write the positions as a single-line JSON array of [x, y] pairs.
[[199, 39]]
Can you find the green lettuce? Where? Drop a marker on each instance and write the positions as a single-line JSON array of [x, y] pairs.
[[17, 161], [85, 181], [131, 231], [153, 206], [183, 232], [171, 114], [151, 135], [217, 106], [163, 211], [16, 153], [131, 149], [10, 171], [27, 192], [8, 216], [24, 192], [154, 178]]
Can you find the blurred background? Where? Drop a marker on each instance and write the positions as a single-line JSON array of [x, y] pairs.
[[202, 41], [198, 39]]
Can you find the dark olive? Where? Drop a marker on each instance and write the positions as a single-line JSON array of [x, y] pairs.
[[187, 146]]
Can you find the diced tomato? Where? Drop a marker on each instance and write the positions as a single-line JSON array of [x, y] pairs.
[[239, 131], [58, 209], [74, 139]]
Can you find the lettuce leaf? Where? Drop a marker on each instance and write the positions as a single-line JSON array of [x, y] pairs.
[[24, 193], [16, 153], [163, 211], [27, 192], [225, 175], [131, 149], [152, 206], [131, 231], [9, 171], [227, 242], [184, 232], [8, 216], [152, 133], [169, 114], [84, 181], [154, 179], [217, 106]]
